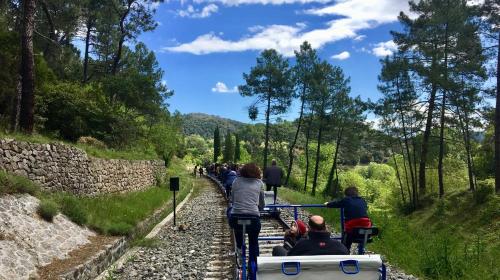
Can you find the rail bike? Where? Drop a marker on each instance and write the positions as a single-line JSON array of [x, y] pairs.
[[342, 267]]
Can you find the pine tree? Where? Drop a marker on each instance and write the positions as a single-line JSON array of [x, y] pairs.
[[270, 82], [306, 59]]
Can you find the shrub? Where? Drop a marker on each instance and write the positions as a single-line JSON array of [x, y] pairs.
[[73, 210], [91, 141], [47, 209], [484, 191]]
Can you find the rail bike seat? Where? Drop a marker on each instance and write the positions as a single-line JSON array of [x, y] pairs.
[[363, 235], [338, 267]]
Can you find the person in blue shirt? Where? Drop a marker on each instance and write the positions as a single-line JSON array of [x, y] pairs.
[[355, 213]]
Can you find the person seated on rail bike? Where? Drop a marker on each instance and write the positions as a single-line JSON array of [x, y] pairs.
[[318, 242], [229, 179], [355, 213], [297, 231], [247, 199], [272, 177]]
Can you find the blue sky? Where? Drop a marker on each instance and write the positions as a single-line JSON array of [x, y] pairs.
[[204, 46]]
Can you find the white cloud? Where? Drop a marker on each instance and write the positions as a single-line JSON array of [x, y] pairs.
[[359, 38], [261, 2], [222, 88], [342, 56], [205, 12], [384, 49], [355, 15]]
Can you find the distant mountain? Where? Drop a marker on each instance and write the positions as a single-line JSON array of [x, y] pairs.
[[204, 124]]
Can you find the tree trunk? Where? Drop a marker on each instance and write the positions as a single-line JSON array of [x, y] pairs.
[[405, 137], [86, 55], [411, 191], [497, 124], [27, 68], [118, 53], [442, 118], [466, 135], [266, 143], [308, 134], [425, 140], [318, 150], [290, 153], [49, 51], [399, 178], [441, 146], [329, 186], [16, 107]]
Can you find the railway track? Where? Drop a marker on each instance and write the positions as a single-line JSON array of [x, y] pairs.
[[223, 264]]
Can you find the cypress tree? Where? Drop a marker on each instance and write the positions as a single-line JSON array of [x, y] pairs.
[[216, 143], [228, 148], [237, 151]]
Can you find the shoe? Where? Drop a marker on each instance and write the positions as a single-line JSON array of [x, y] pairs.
[[238, 257]]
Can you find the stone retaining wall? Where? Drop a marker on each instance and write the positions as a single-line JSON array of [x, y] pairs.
[[59, 167]]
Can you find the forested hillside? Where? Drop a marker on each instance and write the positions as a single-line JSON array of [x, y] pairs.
[[204, 124]]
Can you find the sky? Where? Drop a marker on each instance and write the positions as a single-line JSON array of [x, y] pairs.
[[205, 46]]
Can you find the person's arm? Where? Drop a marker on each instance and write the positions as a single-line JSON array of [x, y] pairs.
[[335, 204]]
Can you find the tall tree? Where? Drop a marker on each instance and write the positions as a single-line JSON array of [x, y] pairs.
[[399, 112], [237, 149], [306, 58], [135, 17], [228, 154], [216, 143], [329, 83], [26, 121], [269, 80], [491, 11]]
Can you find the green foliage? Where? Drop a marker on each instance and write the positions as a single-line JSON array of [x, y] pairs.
[[73, 209], [47, 209]]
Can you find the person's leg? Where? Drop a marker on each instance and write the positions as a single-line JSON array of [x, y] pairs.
[[275, 189], [238, 231], [347, 241], [268, 187], [279, 251], [253, 240]]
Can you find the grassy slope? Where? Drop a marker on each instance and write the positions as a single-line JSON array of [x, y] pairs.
[[114, 214], [454, 239], [130, 154]]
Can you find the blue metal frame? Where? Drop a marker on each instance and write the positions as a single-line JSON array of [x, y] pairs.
[[296, 216]]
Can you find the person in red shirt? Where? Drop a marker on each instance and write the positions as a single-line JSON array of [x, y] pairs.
[[355, 213]]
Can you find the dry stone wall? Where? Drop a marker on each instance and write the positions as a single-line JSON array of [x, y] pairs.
[[59, 167]]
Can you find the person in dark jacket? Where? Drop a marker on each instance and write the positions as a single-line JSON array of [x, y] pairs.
[[247, 200], [297, 231], [229, 179], [272, 177], [355, 213], [319, 241]]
